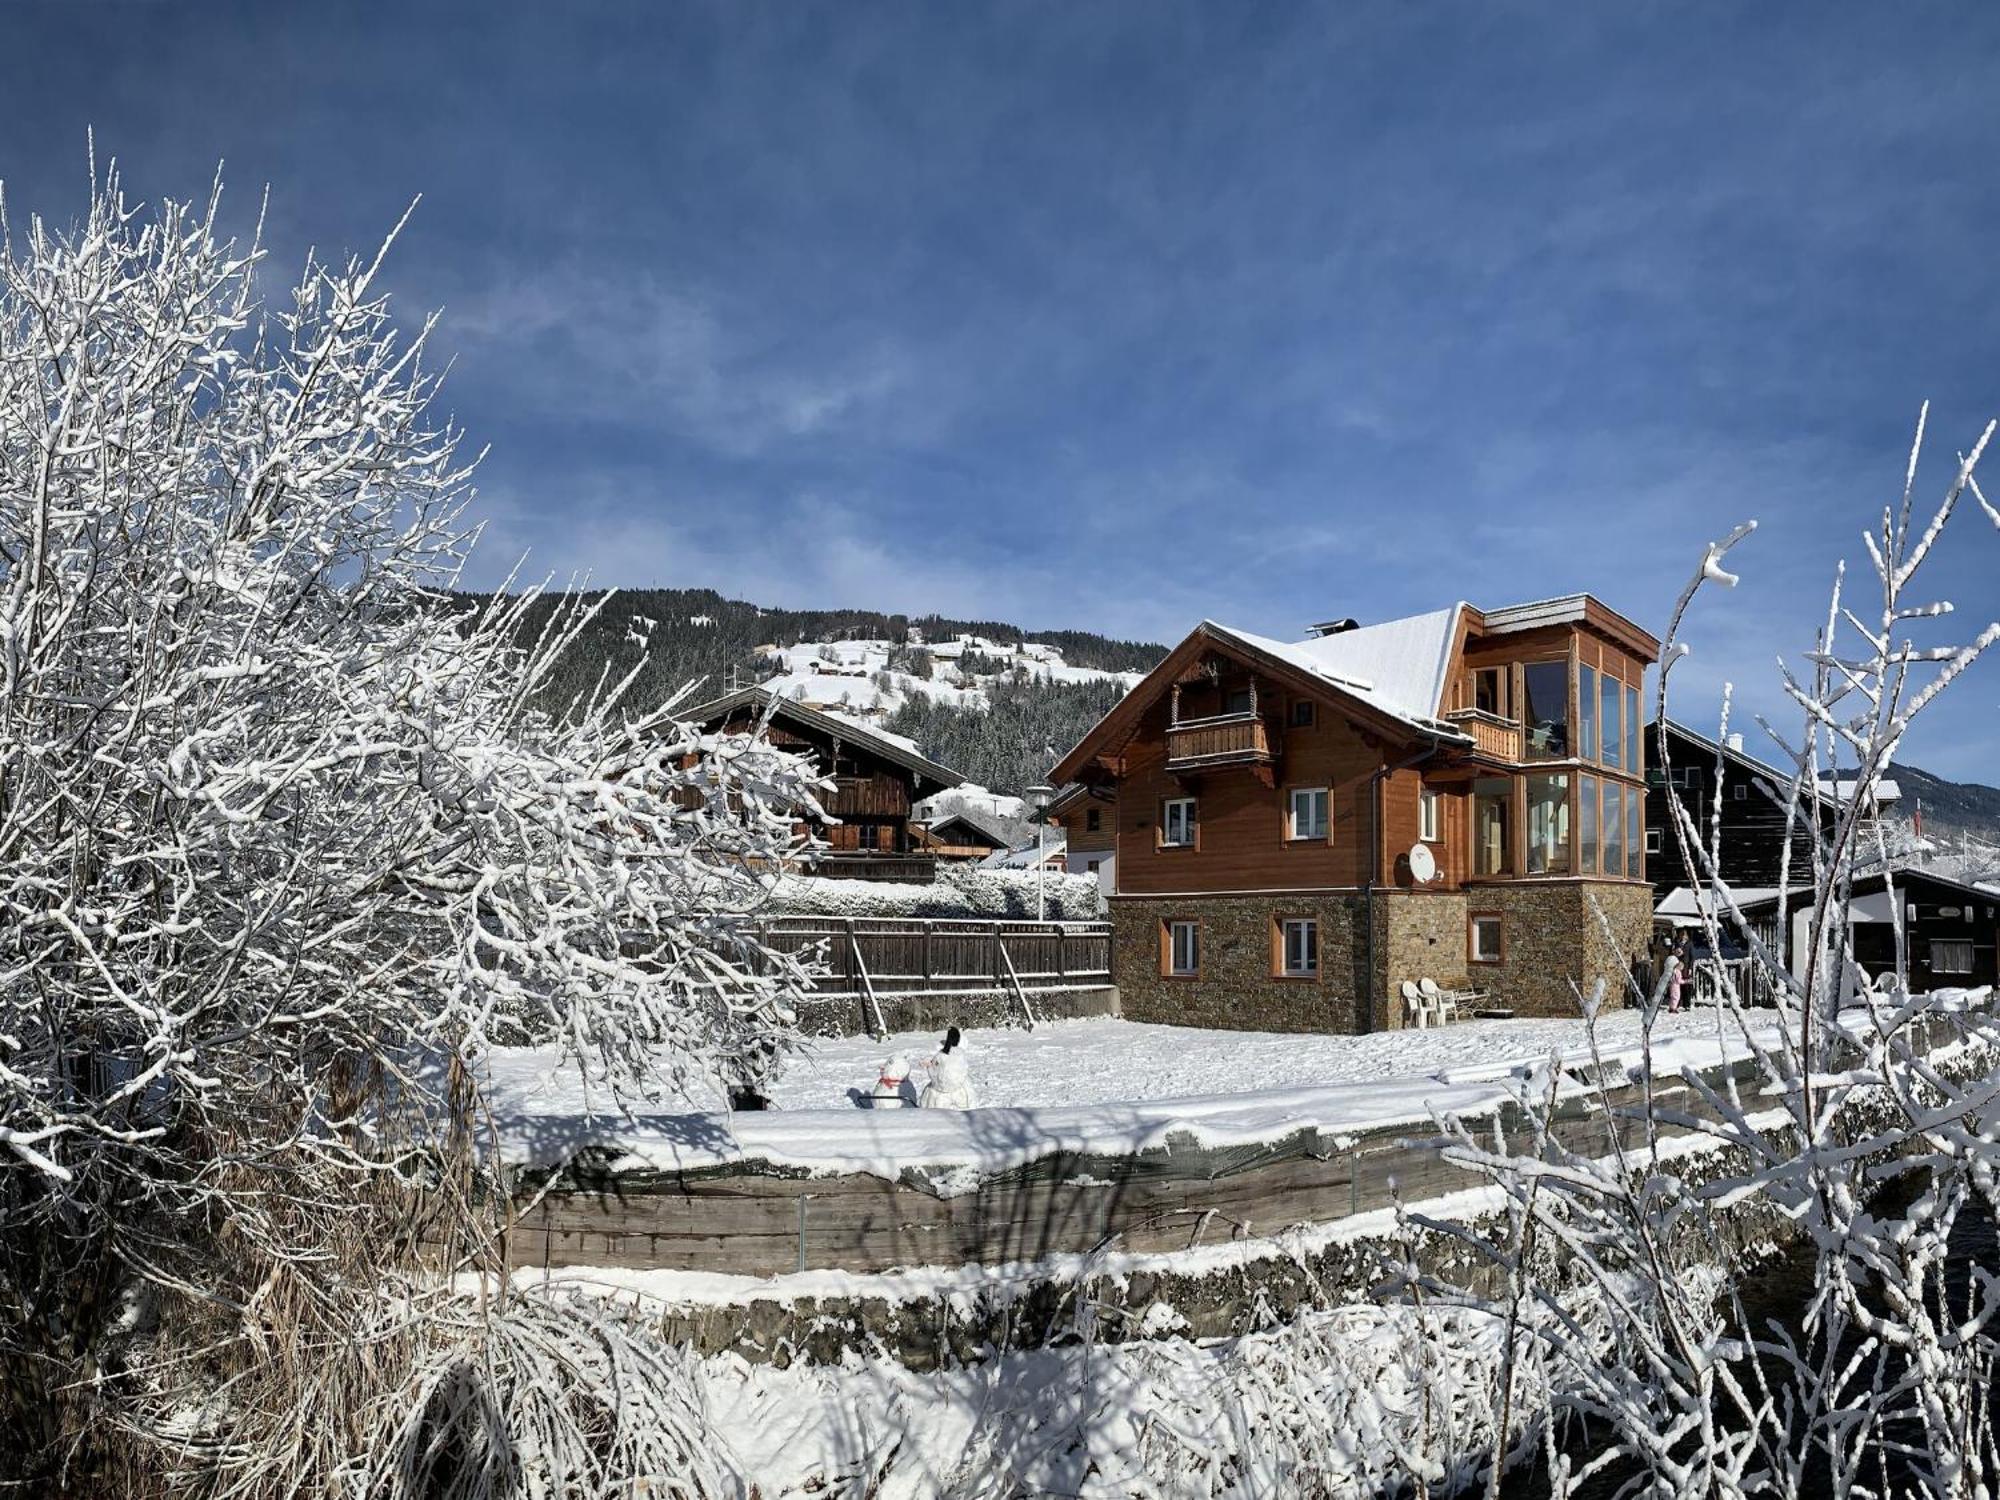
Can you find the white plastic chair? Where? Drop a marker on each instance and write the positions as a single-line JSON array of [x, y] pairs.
[[1443, 1003], [1414, 1004]]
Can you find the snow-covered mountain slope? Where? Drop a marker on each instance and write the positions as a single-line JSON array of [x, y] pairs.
[[875, 678]]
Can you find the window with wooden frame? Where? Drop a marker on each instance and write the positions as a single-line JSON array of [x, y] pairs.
[[1492, 691], [1951, 956], [1093, 819], [1296, 948], [1302, 713], [1430, 824], [1485, 938], [1177, 823], [1306, 819], [1180, 948]]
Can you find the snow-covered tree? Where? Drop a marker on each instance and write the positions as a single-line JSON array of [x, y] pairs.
[[1869, 1123], [283, 845]]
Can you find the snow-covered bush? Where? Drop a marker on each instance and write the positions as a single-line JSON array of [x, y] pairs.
[[1869, 1122], [960, 890], [281, 844]]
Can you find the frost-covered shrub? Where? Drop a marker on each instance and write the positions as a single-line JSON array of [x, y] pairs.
[[959, 891], [281, 840]]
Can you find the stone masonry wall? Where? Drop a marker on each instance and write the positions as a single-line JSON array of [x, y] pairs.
[[1236, 989], [1418, 935], [1554, 937]]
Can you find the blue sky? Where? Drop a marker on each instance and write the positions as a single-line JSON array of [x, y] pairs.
[[1120, 315]]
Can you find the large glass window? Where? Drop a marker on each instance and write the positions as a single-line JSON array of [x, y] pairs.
[[1586, 712], [1635, 831], [1545, 709], [1635, 734], [1614, 827], [1489, 692], [1586, 824], [1548, 825], [1609, 700], [1493, 825]]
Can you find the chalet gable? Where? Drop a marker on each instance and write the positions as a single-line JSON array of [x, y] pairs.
[[1200, 664]]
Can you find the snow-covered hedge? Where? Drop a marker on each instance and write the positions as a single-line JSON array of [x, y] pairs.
[[958, 891]]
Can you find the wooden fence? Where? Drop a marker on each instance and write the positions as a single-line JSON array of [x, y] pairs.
[[866, 958]]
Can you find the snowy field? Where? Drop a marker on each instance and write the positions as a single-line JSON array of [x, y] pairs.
[[1097, 1086], [1101, 1061]]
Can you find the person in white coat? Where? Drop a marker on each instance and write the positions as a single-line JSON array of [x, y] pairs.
[[950, 1085]]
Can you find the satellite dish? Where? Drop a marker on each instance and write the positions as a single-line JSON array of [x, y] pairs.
[[1423, 865]]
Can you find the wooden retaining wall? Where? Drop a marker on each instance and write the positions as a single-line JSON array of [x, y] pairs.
[[759, 1220]]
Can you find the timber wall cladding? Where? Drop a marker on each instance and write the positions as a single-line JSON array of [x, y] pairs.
[[1241, 843]]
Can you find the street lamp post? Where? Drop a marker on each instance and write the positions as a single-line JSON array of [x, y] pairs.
[[1039, 798]]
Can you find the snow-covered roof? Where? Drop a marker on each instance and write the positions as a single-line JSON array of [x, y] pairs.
[[891, 747], [1026, 856], [1886, 790], [1001, 831], [1397, 666]]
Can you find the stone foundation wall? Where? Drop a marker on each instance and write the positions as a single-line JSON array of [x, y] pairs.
[[1418, 935], [1555, 936], [1236, 990]]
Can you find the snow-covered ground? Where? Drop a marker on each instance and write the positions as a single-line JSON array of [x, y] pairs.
[[1104, 1060], [1100, 1087]]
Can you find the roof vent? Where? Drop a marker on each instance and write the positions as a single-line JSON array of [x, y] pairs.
[[1736, 742], [1333, 627]]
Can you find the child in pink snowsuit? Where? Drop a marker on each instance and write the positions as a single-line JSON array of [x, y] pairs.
[[1676, 970]]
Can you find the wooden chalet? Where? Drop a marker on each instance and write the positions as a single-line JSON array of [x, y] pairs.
[[966, 835], [1088, 817], [1950, 928], [877, 778], [1298, 827], [1751, 798]]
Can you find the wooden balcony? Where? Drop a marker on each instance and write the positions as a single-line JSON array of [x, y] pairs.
[[1492, 736], [1225, 740]]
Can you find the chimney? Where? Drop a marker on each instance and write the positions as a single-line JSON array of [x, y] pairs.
[[1736, 741], [1332, 627]]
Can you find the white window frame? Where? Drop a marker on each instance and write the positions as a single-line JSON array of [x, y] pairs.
[[1655, 841], [1286, 926], [1499, 927], [1190, 821], [1175, 928], [1964, 944], [1429, 825], [1292, 814]]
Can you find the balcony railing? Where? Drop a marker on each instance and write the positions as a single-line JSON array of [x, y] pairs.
[[1226, 740], [1492, 736], [870, 864]]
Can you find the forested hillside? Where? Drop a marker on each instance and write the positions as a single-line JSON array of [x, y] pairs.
[[989, 713]]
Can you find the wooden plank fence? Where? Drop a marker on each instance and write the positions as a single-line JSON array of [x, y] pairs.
[[868, 957]]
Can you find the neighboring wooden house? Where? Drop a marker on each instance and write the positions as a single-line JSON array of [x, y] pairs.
[[1951, 929], [966, 835], [1751, 796], [1088, 817], [1276, 806], [877, 777]]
